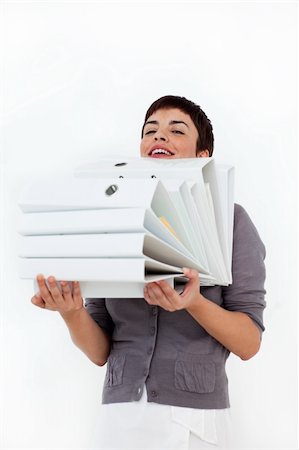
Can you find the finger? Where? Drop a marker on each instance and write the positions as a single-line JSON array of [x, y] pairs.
[[55, 291], [77, 296], [150, 299], [71, 293], [38, 301], [146, 296], [193, 283], [156, 295], [43, 290], [192, 274], [66, 291], [170, 293]]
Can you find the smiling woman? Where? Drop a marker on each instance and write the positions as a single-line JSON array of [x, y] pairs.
[[177, 127], [166, 352], [169, 133]]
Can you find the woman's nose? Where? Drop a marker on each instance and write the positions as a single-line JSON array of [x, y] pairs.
[[160, 136]]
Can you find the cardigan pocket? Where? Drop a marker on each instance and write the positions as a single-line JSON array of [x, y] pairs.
[[115, 369], [195, 375]]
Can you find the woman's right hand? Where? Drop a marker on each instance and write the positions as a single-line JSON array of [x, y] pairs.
[[85, 332], [66, 300]]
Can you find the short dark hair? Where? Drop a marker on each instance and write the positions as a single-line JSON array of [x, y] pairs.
[[203, 125]]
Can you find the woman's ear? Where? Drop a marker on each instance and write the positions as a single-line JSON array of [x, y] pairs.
[[203, 154]]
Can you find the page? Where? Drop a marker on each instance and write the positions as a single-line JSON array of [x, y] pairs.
[[195, 222], [153, 224], [225, 178], [210, 236], [177, 201], [160, 251], [210, 177], [162, 205]]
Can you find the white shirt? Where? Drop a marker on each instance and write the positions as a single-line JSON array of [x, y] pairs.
[[146, 425]]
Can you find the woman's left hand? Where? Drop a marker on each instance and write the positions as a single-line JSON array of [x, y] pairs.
[[161, 294]]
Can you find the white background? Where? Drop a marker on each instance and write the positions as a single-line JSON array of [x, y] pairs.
[[77, 78]]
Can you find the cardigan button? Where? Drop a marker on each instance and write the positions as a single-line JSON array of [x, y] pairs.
[[154, 394], [154, 310]]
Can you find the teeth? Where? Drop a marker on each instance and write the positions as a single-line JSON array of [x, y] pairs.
[[161, 151]]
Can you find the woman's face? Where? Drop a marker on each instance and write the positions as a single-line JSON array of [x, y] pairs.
[[170, 133]]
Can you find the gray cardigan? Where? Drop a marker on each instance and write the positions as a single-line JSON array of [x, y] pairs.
[[169, 352]]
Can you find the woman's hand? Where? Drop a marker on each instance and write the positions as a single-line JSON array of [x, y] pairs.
[[161, 294], [65, 301], [85, 332]]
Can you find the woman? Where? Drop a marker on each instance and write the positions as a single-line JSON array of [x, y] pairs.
[[166, 385]]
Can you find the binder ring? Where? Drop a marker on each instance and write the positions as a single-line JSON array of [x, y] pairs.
[[111, 189]]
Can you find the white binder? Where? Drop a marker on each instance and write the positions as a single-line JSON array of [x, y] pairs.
[[147, 221]]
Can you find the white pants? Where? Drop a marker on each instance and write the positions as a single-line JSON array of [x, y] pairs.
[[151, 426]]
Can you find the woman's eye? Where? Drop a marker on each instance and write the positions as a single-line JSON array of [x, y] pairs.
[[177, 132], [150, 132]]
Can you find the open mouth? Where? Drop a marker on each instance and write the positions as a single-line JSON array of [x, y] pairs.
[[158, 152]]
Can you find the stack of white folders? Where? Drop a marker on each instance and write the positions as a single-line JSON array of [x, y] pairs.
[[114, 233]]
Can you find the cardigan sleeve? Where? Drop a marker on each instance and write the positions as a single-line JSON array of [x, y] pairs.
[[246, 293], [96, 307]]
